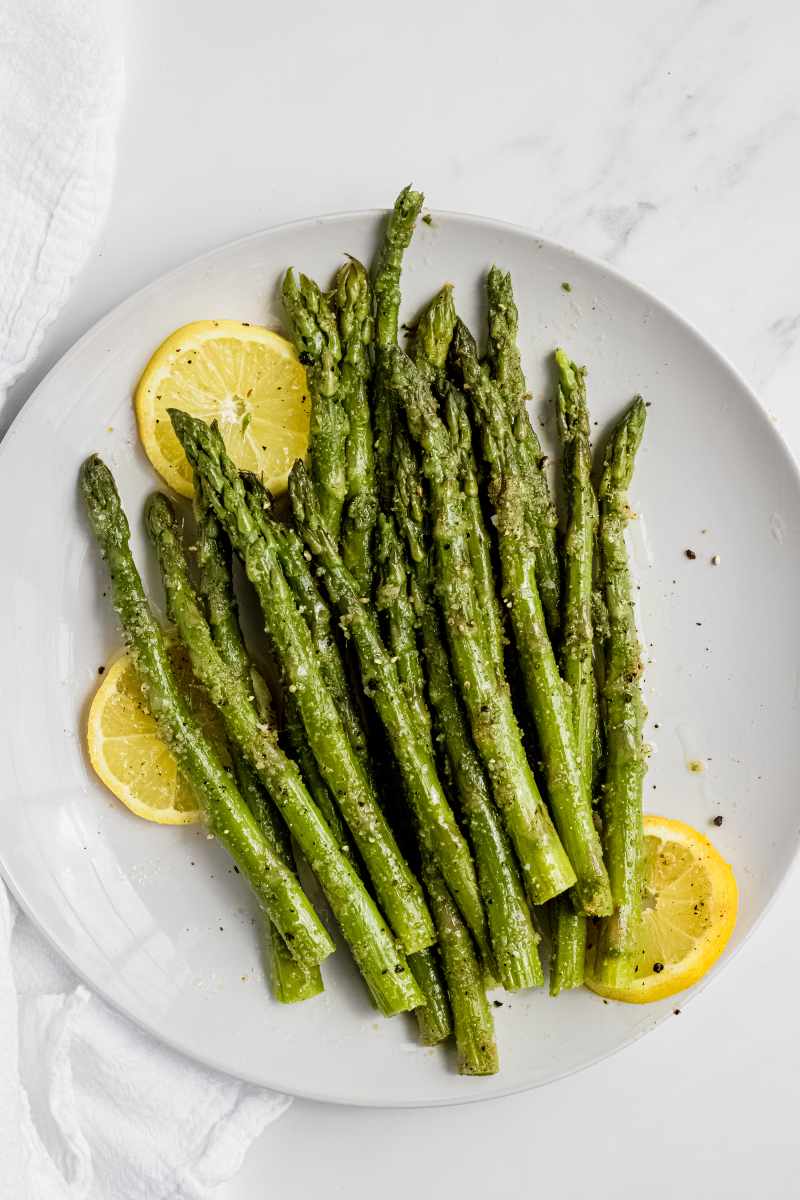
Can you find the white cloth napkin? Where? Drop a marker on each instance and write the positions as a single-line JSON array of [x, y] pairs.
[[90, 1107], [60, 97]]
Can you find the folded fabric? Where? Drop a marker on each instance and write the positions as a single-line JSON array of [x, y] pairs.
[[90, 1107]]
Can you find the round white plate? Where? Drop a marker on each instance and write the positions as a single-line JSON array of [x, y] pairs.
[[154, 918]]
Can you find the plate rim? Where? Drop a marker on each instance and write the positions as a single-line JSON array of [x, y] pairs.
[[18, 426]]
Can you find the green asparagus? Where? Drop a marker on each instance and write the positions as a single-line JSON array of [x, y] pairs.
[[545, 866], [432, 338], [568, 930], [625, 712], [382, 965], [291, 981], [513, 938], [223, 489], [313, 325], [386, 284], [506, 370], [472, 1017], [438, 829], [577, 645], [569, 796], [434, 1020], [227, 816], [354, 311]]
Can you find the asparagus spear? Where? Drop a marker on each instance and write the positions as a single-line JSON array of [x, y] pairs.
[[315, 611], [373, 947], [569, 796], [513, 938], [354, 310], [386, 276], [506, 370], [227, 816], [472, 1017], [625, 712], [432, 338], [439, 831], [577, 646], [545, 866], [434, 1019], [313, 326], [291, 981], [392, 598], [568, 930], [240, 514]]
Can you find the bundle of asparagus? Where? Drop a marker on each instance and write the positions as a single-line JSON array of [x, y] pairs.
[[421, 613]]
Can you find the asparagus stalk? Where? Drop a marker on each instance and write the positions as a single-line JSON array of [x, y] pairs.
[[382, 965], [506, 370], [440, 835], [356, 328], [432, 339], [315, 611], [227, 816], [388, 267], [577, 646], [434, 1019], [472, 1017], [568, 930], [625, 711], [545, 866], [570, 798], [291, 981], [240, 514], [312, 322], [392, 599], [513, 938]]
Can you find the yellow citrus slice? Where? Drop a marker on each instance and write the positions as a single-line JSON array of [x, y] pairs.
[[247, 378], [127, 751], [689, 913]]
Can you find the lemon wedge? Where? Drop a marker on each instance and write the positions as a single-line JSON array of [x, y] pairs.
[[247, 378], [127, 751], [689, 913]]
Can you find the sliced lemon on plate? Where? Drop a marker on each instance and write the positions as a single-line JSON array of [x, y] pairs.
[[247, 378], [127, 751], [688, 916]]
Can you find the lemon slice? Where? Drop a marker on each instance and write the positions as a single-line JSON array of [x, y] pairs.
[[247, 378], [127, 751], [689, 912]]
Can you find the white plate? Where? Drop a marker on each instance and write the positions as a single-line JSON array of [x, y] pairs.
[[153, 918]]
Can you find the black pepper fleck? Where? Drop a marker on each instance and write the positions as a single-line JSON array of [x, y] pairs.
[[718, 821], [690, 554], [658, 968]]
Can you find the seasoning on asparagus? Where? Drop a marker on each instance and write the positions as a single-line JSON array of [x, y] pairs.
[[396, 888], [545, 866], [472, 1017], [386, 283], [569, 796], [625, 765], [382, 965], [438, 828], [312, 322], [356, 331], [228, 818], [506, 370], [432, 338], [291, 981], [577, 631], [568, 930], [513, 938]]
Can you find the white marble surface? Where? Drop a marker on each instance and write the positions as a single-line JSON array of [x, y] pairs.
[[663, 138]]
